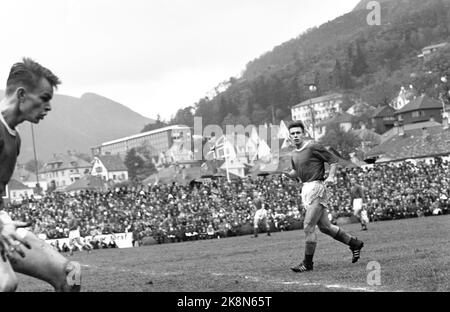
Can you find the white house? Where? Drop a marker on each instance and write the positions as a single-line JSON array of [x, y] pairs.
[[63, 170], [28, 178], [110, 168], [17, 191]]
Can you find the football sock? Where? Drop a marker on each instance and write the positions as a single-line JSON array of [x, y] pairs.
[[310, 248], [342, 237]]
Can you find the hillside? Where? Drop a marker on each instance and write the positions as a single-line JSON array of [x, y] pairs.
[[368, 62], [79, 124]]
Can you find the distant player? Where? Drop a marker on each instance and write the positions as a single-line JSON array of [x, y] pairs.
[[308, 164], [357, 199], [75, 239], [261, 216], [29, 89]]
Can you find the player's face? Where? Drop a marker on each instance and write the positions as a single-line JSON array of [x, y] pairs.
[[35, 104], [297, 135]]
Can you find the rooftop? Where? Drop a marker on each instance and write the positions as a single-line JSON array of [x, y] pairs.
[[420, 102], [112, 162], [320, 99], [415, 143], [135, 136]]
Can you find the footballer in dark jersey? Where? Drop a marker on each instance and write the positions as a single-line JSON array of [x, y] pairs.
[[29, 89], [308, 164]]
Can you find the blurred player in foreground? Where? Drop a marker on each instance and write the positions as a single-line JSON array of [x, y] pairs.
[[29, 89]]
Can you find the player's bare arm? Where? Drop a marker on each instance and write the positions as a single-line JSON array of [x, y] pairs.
[[332, 174], [291, 174], [10, 242]]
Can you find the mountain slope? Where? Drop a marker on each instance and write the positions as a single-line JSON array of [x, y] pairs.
[[345, 55], [79, 124]]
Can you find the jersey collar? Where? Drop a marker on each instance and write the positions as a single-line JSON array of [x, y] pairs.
[[3, 121]]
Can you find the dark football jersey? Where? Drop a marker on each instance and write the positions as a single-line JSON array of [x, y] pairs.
[[258, 203], [9, 150], [309, 161], [356, 191]]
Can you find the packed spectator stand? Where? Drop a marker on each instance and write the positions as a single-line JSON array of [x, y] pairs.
[[172, 213]]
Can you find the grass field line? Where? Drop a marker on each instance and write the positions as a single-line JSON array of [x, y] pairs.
[[246, 277], [300, 283], [115, 269]]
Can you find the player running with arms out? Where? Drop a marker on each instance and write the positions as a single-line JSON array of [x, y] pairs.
[[357, 199], [308, 164], [29, 89]]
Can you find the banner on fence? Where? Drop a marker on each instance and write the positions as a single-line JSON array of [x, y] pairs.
[[123, 240]]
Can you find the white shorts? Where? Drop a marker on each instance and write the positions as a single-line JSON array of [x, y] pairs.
[[315, 190], [364, 216], [357, 205], [74, 234]]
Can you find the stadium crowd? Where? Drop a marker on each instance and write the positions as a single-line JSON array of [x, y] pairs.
[[170, 213]]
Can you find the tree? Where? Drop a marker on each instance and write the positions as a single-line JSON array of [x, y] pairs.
[[153, 126], [133, 162], [31, 165], [340, 140], [337, 75], [359, 65], [184, 116], [139, 164]]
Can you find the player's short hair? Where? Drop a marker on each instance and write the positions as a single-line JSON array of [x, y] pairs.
[[28, 74], [297, 124]]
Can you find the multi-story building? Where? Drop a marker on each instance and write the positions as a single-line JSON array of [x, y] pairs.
[[427, 51], [63, 170], [159, 141], [317, 109]]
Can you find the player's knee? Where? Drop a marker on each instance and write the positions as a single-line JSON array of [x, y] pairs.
[[330, 230], [325, 229], [309, 232], [70, 281], [8, 282]]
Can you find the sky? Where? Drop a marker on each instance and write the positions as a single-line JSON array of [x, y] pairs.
[[153, 56]]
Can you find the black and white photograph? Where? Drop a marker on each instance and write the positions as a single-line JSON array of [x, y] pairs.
[[225, 152]]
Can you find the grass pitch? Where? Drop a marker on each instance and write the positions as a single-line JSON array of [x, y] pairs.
[[414, 255]]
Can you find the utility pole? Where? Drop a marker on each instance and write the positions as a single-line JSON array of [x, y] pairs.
[[273, 114], [312, 88], [445, 93], [35, 157]]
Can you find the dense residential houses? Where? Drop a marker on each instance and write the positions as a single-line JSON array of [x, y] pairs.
[[383, 118], [317, 109], [342, 119], [421, 108]]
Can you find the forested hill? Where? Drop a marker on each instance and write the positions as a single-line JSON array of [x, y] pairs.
[[344, 55]]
